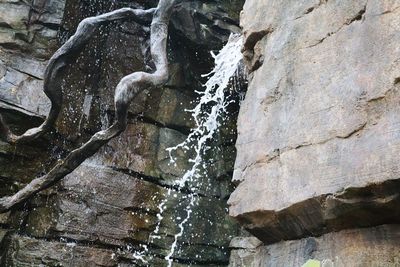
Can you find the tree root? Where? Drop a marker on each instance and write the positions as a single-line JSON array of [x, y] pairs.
[[126, 90]]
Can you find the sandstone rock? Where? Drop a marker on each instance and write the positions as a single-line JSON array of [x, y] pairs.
[[25, 251], [205, 23], [20, 87], [360, 247], [19, 167], [30, 27], [112, 201], [27, 34], [250, 242], [99, 205], [141, 149], [318, 128]]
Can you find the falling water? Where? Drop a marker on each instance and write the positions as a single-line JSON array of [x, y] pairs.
[[207, 114]]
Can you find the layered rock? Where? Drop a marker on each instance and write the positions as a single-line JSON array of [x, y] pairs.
[[28, 31], [32, 252], [105, 211], [113, 210], [379, 246], [319, 128]]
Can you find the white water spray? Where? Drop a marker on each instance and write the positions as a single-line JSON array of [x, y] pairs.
[[207, 122], [207, 115]]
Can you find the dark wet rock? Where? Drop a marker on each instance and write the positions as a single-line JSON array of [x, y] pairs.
[[89, 207], [25, 251], [19, 165], [28, 34], [141, 149], [110, 204], [3, 245], [22, 29], [205, 24], [2, 235]]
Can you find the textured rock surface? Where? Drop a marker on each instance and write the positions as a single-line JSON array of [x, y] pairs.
[[28, 31], [319, 132], [33, 252], [378, 246], [105, 207], [105, 210]]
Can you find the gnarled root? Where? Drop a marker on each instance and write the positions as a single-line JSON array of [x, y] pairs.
[[126, 90]]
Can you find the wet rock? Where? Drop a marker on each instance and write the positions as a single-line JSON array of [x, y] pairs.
[[3, 234], [21, 163], [124, 54], [30, 27], [89, 208], [4, 218], [362, 247], [312, 152], [28, 34], [112, 201], [25, 251], [208, 224], [19, 166], [204, 23], [141, 149], [21, 88]]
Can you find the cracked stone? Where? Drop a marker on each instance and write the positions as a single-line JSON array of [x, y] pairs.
[[321, 121]]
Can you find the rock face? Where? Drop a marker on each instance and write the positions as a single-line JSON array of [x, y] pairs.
[[379, 246], [28, 31], [318, 133], [106, 210], [318, 130]]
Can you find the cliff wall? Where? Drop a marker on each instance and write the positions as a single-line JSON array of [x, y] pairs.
[[105, 211], [318, 134]]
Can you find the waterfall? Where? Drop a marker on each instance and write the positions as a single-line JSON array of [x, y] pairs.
[[207, 121], [207, 116]]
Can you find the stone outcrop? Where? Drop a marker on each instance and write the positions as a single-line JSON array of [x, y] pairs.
[[27, 251], [379, 246], [318, 138], [28, 31], [105, 211]]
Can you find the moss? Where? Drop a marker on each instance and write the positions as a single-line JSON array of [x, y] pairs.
[[312, 263]]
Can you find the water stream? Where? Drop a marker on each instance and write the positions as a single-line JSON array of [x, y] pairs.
[[207, 116]]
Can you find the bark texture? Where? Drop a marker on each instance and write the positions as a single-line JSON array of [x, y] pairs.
[[126, 90]]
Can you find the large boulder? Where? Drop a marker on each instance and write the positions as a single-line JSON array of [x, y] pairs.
[[319, 138], [378, 246]]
